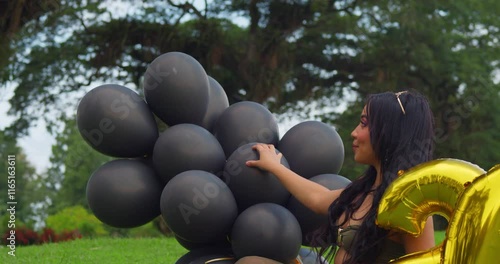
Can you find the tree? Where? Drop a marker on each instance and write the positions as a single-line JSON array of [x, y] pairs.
[[76, 218], [14, 15], [72, 163], [290, 52], [19, 184]]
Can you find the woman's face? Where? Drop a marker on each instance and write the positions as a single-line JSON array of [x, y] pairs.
[[361, 145]]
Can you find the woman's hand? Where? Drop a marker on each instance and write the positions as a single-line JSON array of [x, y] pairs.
[[311, 194], [268, 158]]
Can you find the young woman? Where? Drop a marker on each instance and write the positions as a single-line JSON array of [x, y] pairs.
[[394, 133]]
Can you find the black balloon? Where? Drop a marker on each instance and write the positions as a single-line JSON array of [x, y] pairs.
[[198, 207], [216, 255], [177, 89], [116, 121], [267, 230], [217, 103], [245, 122], [124, 193], [187, 147], [312, 148], [310, 221], [189, 245], [251, 185]]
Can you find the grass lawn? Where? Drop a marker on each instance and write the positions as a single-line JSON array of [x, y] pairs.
[[108, 250], [439, 236], [102, 250]]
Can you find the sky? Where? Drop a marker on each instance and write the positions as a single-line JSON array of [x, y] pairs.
[[38, 144]]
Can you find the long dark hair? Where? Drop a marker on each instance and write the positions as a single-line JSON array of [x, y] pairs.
[[400, 141]]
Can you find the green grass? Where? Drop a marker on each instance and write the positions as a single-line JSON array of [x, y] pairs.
[[439, 236], [109, 251], [102, 250]]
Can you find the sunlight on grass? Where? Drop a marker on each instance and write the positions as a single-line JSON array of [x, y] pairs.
[[102, 250], [109, 251]]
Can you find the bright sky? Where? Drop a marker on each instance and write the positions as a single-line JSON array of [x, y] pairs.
[[38, 144]]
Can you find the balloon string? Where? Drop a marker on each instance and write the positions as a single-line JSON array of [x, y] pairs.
[[218, 259]]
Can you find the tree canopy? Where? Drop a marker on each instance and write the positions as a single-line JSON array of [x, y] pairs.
[[19, 180], [291, 56]]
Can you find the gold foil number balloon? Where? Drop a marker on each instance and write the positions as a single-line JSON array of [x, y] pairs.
[[430, 188], [473, 235]]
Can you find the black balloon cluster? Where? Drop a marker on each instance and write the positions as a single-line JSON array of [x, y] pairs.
[[194, 172]]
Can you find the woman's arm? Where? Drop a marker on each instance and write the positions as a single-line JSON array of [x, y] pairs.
[[423, 242], [312, 195]]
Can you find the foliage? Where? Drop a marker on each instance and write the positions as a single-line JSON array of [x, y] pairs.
[[14, 16], [292, 56], [25, 193], [76, 218], [50, 236], [25, 236], [72, 163], [288, 51]]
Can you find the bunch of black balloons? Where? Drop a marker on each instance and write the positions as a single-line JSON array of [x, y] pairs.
[[193, 173]]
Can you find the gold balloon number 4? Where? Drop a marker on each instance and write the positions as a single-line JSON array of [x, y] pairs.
[[460, 191]]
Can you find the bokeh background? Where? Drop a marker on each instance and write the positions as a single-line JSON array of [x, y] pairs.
[[302, 60]]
